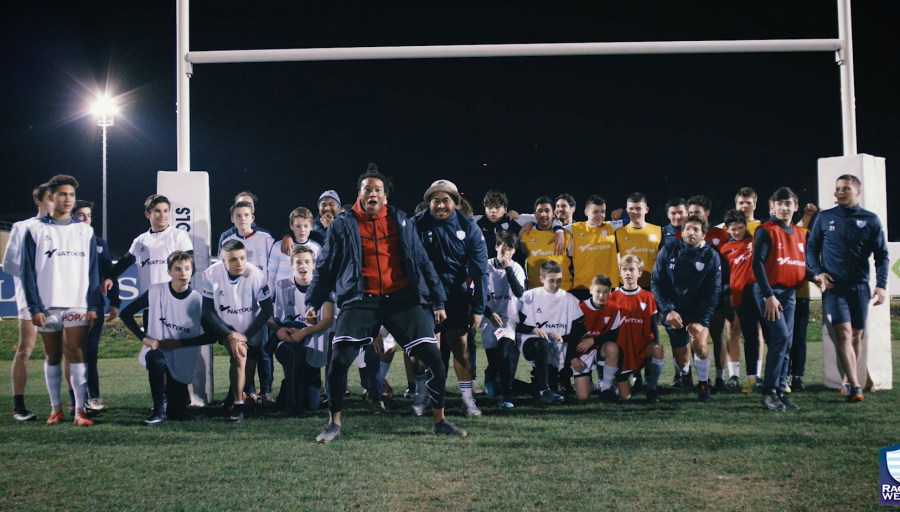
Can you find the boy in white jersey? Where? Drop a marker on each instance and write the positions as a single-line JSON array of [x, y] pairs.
[[59, 275], [300, 348], [257, 245], [237, 301], [151, 249], [300, 221], [549, 317], [171, 337], [506, 284], [12, 260]]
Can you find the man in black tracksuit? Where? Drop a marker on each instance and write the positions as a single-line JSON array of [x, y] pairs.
[[686, 283]]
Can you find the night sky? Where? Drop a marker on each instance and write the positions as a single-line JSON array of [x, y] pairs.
[[664, 125]]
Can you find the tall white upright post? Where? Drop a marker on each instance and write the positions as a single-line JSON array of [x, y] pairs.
[[848, 92], [104, 183], [183, 86]]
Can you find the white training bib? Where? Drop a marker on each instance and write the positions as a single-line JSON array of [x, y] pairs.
[[501, 300], [62, 259], [151, 251], [172, 318], [551, 313], [237, 300]]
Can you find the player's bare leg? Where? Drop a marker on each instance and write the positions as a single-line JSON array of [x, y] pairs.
[[733, 348], [716, 331], [238, 351], [701, 362], [457, 341], [18, 371]]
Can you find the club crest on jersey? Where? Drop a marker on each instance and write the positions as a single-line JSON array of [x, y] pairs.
[[504, 225], [715, 241], [861, 223], [831, 226], [652, 238], [603, 233], [461, 234], [643, 306], [699, 265], [403, 223], [580, 235], [606, 319], [99, 250], [800, 245], [538, 310], [46, 238], [143, 248]]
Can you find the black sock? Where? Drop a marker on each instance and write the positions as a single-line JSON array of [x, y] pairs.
[[18, 403], [411, 386], [72, 397]]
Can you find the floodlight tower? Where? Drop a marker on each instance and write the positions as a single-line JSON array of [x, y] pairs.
[[105, 109]]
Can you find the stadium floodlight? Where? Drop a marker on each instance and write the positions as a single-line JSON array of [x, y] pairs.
[[105, 109]]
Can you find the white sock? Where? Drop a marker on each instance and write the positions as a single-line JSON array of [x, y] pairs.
[[465, 386], [759, 367], [78, 374], [751, 377], [720, 374], [734, 368], [687, 368], [609, 372], [238, 402], [53, 378], [702, 366], [653, 372]]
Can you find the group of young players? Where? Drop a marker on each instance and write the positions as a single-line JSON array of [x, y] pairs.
[[353, 283]]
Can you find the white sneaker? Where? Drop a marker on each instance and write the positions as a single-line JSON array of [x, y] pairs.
[[469, 408], [96, 405]]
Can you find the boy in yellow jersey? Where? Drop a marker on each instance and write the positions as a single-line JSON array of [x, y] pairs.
[[593, 248], [639, 238], [537, 248]]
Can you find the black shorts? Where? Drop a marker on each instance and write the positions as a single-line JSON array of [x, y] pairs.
[[400, 313], [458, 308], [678, 338], [847, 303]]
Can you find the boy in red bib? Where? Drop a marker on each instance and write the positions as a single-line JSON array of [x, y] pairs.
[[601, 322]]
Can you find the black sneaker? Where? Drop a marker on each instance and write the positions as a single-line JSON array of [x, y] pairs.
[[23, 415], [720, 386], [687, 382], [652, 396], [378, 407], [703, 392], [448, 428], [237, 413], [771, 402], [676, 382], [797, 384], [788, 405], [609, 396], [155, 419]]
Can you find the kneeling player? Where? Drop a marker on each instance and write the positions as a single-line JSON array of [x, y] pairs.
[[237, 302], [550, 317], [172, 337], [300, 348], [638, 337], [601, 323], [686, 282]]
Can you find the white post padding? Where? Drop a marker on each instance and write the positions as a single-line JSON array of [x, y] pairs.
[[874, 364], [189, 210]]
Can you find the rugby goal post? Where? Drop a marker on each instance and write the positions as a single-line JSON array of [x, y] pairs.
[[842, 46]]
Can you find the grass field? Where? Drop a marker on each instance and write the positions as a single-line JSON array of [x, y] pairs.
[[678, 455]]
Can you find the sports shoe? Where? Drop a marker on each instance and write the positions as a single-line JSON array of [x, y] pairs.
[[378, 407], [856, 394], [23, 415], [469, 409], [797, 384], [365, 396], [237, 414], [488, 388], [409, 394], [250, 399], [787, 388], [329, 434], [676, 382], [703, 392], [638, 384], [653, 396], [347, 394], [95, 404], [771, 402], [420, 401], [387, 390], [687, 382], [548, 397], [443, 427], [845, 389], [788, 405], [750, 386], [505, 403], [154, 419], [267, 400], [476, 389], [55, 417], [720, 386], [609, 396], [733, 383], [81, 420]]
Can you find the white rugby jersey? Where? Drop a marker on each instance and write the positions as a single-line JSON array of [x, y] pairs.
[[237, 300], [171, 318], [290, 306], [64, 257], [551, 313], [257, 245], [151, 250], [280, 264], [500, 298], [12, 259]]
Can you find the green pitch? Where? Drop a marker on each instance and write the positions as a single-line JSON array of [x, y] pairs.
[[678, 455]]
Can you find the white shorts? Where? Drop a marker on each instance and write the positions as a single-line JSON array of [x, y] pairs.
[[589, 359], [56, 319], [21, 303]]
